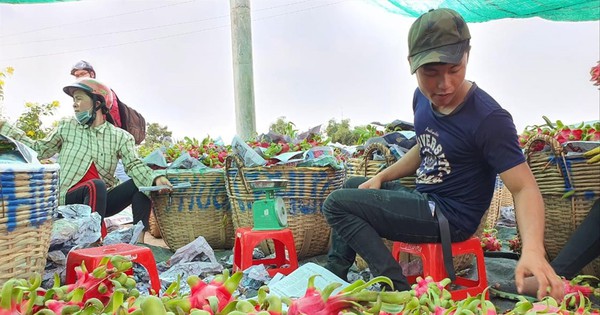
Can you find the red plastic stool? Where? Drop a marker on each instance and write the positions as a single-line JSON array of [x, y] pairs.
[[246, 240], [433, 264], [93, 255]]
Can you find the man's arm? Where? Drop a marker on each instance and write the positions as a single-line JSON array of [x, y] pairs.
[[406, 166], [529, 208]]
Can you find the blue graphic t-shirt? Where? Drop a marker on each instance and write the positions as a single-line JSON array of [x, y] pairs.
[[462, 152]]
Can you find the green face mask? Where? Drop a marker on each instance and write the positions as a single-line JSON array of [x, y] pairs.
[[84, 117]]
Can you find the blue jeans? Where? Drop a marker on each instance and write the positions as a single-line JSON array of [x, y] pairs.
[[359, 218], [582, 247]]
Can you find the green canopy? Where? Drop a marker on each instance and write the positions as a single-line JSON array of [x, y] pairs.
[[32, 1], [486, 10], [475, 10]]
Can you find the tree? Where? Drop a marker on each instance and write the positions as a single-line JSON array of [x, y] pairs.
[[30, 121], [156, 137], [3, 73], [157, 134], [284, 127], [340, 132], [364, 133]]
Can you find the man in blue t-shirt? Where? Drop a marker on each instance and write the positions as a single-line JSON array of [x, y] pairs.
[[464, 138]]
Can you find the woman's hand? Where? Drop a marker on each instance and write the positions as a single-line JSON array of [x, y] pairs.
[[163, 181]]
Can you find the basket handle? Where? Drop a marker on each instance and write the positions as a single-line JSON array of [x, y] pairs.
[[389, 157], [223, 229], [557, 150], [158, 193], [234, 158], [2, 200], [554, 145]]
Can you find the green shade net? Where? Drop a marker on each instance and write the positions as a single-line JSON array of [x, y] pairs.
[[486, 10], [475, 10], [32, 1]]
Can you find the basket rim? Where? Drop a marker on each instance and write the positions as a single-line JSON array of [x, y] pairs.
[[29, 168]]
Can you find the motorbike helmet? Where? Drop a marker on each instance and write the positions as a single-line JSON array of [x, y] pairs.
[[96, 90], [83, 65]]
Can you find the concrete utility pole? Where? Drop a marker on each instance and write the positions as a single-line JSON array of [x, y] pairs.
[[243, 77], [1, 102]]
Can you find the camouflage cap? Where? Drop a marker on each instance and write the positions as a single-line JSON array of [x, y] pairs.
[[440, 35]]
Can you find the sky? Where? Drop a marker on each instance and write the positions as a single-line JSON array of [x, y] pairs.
[[313, 61]]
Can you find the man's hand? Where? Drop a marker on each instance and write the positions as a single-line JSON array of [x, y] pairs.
[[529, 209], [533, 262], [372, 183], [163, 181]]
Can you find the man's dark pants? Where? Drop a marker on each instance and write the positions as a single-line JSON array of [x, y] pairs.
[[359, 218]]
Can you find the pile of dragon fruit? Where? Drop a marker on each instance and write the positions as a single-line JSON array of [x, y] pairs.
[[561, 132], [108, 289]]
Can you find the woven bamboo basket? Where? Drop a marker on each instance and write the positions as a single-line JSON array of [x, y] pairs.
[[556, 174], [506, 198], [153, 228], [29, 196], [494, 209], [366, 165], [303, 196], [501, 198], [352, 167], [200, 210]]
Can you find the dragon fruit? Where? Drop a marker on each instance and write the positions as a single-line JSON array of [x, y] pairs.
[[595, 74], [353, 298], [489, 240], [215, 294], [514, 244]]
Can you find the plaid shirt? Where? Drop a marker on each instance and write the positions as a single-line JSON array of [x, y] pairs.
[[78, 146]]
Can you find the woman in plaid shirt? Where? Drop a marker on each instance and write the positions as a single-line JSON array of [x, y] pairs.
[[88, 151]]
